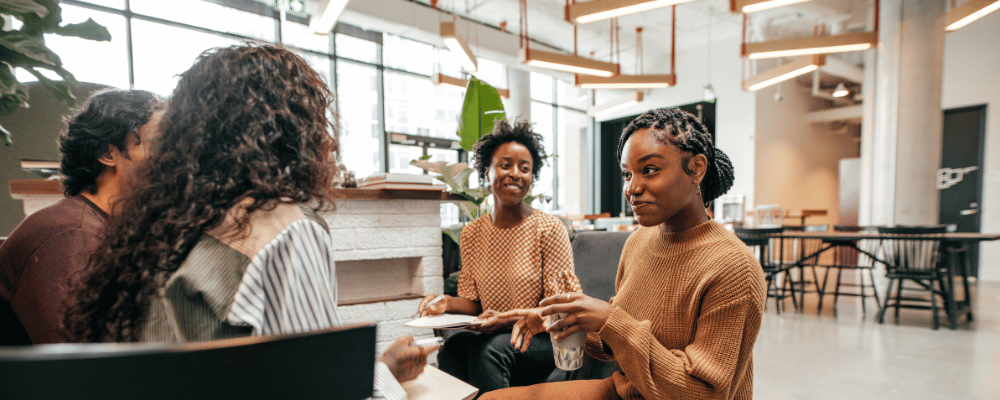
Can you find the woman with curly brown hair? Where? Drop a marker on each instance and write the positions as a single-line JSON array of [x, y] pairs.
[[219, 235], [512, 258]]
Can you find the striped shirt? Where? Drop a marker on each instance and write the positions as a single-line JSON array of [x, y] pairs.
[[276, 278]]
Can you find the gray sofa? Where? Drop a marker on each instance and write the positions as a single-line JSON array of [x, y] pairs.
[[595, 255]]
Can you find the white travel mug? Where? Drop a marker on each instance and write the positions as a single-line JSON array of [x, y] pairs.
[[568, 351]]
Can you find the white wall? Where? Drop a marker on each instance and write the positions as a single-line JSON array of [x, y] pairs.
[[797, 163], [735, 112], [971, 62]]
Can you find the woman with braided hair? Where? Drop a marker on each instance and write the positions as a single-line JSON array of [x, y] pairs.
[[689, 295]]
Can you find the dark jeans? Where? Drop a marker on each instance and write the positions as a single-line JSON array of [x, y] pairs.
[[489, 362]]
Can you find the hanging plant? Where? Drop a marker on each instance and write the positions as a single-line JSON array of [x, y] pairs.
[[25, 48]]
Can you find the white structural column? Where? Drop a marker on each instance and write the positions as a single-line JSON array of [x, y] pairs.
[[906, 150], [519, 104]]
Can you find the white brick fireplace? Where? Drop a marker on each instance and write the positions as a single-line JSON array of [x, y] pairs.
[[388, 256]]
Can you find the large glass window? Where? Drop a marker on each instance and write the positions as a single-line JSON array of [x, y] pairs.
[[209, 15], [356, 49], [541, 116], [360, 135], [541, 87], [78, 55], [408, 55], [448, 64], [299, 35], [491, 72], [400, 157], [383, 81], [161, 52], [118, 4], [416, 106]]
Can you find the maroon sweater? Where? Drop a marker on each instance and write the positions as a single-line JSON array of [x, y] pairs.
[[35, 261]]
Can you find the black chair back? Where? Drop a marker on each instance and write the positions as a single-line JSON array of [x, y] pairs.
[[760, 242], [335, 363], [912, 249]]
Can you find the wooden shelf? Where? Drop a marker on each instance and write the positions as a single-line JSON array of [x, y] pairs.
[[35, 187], [38, 187], [380, 299]]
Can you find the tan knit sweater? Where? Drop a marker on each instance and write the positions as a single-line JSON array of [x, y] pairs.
[[688, 307]]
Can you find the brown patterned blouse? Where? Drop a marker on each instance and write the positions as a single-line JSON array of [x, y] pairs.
[[505, 269]]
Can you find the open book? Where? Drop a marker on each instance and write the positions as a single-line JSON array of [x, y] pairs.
[[438, 385], [444, 321]]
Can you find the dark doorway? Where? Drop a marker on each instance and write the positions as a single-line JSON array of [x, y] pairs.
[[960, 179], [611, 198]]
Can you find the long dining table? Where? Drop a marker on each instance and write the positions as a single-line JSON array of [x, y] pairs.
[[954, 246]]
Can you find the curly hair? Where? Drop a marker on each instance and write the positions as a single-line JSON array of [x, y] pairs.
[[504, 132], [245, 122], [108, 117], [679, 128]]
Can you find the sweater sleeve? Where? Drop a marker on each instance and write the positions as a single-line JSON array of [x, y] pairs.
[[703, 369], [37, 301], [557, 261]]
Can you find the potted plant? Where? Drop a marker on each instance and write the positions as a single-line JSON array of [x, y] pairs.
[[24, 47]]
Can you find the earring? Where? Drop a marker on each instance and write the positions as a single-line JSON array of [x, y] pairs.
[[699, 190]]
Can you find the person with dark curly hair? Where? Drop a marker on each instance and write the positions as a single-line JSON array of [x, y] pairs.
[[511, 258], [104, 141], [689, 294], [219, 236]]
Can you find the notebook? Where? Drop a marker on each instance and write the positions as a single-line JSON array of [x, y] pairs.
[[444, 321], [435, 384]]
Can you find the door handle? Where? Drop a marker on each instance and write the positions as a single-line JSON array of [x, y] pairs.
[[968, 212]]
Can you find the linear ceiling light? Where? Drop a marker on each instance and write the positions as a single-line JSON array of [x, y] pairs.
[[325, 23], [785, 72], [596, 10], [750, 6], [627, 82], [615, 105], [568, 63], [811, 45], [442, 79], [969, 11], [458, 46]]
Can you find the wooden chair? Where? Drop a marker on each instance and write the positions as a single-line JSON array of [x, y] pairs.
[[768, 216], [796, 251], [335, 363], [912, 254], [769, 253], [846, 257]]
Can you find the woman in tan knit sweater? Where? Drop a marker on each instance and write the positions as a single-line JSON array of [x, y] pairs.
[[689, 295], [512, 258]]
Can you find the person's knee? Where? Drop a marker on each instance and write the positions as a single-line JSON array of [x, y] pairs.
[[497, 349]]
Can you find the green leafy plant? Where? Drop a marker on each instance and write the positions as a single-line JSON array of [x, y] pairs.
[[481, 110], [25, 48]]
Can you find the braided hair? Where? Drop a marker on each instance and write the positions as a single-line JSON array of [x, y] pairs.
[[681, 129]]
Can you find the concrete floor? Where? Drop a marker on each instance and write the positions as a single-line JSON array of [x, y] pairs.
[[849, 355]]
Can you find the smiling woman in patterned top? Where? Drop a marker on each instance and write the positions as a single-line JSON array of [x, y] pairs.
[[512, 258]]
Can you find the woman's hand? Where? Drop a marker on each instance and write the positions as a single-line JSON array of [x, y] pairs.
[[529, 323], [492, 322], [406, 360], [584, 313], [437, 308]]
